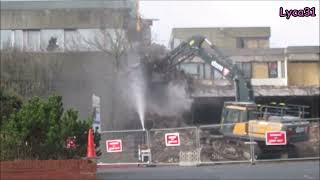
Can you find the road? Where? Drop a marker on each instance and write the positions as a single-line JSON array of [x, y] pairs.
[[276, 170]]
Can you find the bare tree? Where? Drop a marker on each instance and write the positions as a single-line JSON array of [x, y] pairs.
[[113, 42]]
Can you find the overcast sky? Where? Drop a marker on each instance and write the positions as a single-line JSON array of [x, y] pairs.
[[296, 31]]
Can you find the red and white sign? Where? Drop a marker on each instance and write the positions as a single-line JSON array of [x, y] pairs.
[[114, 145], [172, 139], [276, 138]]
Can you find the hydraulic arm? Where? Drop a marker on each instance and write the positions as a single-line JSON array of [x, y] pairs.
[[213, 56]]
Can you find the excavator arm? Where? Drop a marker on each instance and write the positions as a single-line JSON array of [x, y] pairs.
[[215, 58]]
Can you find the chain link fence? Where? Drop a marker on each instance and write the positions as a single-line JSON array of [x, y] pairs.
[[210, 144], [304, 149], [123, 145], [215, 146], [163, 151]]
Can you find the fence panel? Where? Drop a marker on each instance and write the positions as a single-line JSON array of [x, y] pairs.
[[213, 143], [130, 141], [300, 147], [218, 147], [161, 153]]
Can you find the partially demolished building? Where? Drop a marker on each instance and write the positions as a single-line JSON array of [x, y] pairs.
[[283, 75]]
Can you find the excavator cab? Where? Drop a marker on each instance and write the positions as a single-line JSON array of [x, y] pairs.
[[235, 118]]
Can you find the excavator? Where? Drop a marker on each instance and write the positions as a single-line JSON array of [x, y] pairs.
[[243, 120]]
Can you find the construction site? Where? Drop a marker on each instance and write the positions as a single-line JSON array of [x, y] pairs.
[[214, 94]]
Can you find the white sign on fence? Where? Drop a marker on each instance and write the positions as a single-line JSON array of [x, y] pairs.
[[172, 139]]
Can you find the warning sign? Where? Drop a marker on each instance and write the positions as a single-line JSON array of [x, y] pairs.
[[276, 138], [114, 145], [172, 139]]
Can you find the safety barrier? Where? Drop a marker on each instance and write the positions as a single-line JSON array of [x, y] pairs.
[[166, 144], [207, 144], [121, 146]]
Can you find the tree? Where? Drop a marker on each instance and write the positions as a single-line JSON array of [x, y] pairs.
[[40, 129], [10, 102], [114, 43]]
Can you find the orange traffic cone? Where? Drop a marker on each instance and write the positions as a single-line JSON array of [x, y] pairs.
[[91, 151]]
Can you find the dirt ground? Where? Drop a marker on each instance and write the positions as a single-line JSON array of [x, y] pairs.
[[310, 148]]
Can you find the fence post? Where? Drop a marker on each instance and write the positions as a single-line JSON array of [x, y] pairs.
[[252, 157], [147, 138], [198, 145], [252, 143], [148, 144]]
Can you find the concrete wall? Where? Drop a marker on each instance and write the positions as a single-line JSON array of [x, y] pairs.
[[61, 18], [227, 37], [66, 18]]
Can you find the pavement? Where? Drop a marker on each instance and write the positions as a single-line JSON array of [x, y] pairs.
[[297, 170]]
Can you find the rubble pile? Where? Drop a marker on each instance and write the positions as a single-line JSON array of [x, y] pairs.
[[310, 148], [164, 154], [315, 137], [215, 148]]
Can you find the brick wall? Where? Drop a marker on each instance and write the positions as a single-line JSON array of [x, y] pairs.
[[48, 169]]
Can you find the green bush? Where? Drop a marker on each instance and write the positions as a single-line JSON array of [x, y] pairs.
[[39, 130], [9, 103]]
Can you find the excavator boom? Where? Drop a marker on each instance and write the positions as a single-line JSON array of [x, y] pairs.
[[213, 56]]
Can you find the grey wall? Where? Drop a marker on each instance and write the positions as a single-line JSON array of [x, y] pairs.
[[61, 18]]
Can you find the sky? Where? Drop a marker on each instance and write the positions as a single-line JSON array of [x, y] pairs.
[[297, 31]]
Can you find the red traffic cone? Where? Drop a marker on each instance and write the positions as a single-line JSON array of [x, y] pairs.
[[91, 151]]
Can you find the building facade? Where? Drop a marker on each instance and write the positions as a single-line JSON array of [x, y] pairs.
[[73, 26], [277, 74], [229, 38], [73, 37]]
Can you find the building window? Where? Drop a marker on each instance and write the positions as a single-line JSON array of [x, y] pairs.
[[176, 43], [31, 40], [273, 69], [246, 68], [240, 43], [52, 40], [251, 43], [90, 40], [217, 75], [18, 39], [6, 39], [263, 43], [71, 39], [191, 68]]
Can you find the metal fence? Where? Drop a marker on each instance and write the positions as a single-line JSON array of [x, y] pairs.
[[204, 145], [164, 153], [216, 147], [130, 141]]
